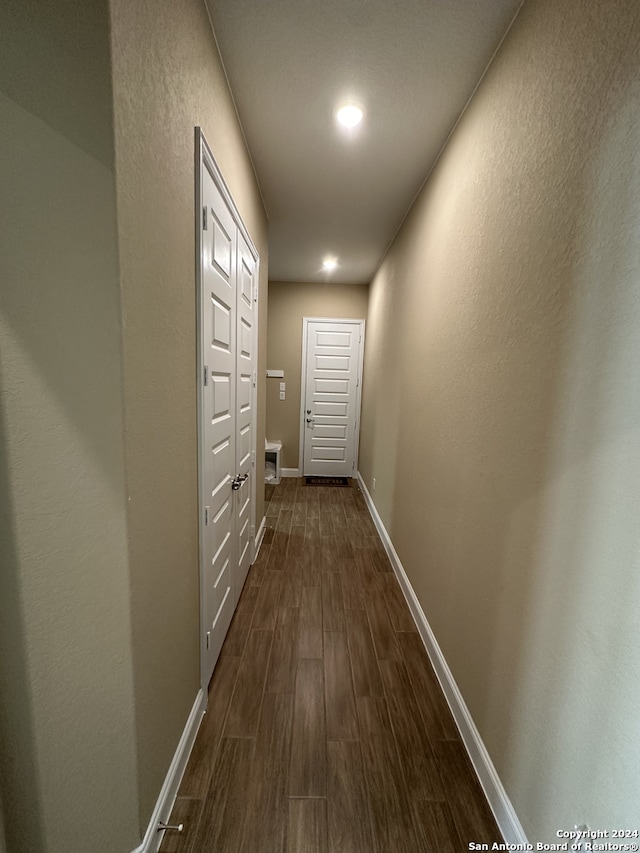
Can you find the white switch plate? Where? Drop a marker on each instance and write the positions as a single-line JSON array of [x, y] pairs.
[[282, 395], [283, 386]]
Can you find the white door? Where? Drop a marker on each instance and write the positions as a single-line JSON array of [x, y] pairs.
[[245, 413], [331, 380], [228, 281]]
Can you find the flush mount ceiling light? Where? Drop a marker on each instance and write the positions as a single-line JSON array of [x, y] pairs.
[[349, 114], [329, 264]]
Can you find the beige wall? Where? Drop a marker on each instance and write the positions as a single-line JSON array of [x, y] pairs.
[[288, 303], [3, 843], [503, 427], [98, 508], [67, 740], [167, 79]]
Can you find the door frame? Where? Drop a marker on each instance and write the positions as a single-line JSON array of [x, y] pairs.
[[303, 382], [204, 159]]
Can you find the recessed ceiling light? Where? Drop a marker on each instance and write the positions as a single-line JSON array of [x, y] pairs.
[[349, 115], [329, 264]]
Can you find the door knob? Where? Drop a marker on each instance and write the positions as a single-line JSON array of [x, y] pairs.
[[239, 480], [310, 420]]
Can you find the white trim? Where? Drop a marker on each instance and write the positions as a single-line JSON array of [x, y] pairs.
[[200, 148], [290, 472], [259, 537], [152, 838], [303, 391], [503, 811]]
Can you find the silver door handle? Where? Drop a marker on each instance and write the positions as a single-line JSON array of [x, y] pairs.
[[239, 480]]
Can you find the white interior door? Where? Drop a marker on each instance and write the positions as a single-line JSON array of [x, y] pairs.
[[219, 248], [228, 291], [331, 380], [245, 412]]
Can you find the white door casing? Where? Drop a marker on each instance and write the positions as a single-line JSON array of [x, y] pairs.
[[226, 300], [332, 358]]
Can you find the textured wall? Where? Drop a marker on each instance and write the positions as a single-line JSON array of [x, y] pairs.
[[288, 304], [503, 428], [3, 843], [167, 79], [67, 753]]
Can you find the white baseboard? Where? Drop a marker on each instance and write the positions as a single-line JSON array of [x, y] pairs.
[[289, 472], [259, 538], [152, 839], [503, 811]]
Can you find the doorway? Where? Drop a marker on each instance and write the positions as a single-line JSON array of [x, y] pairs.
[[227, 294], [332, 359]]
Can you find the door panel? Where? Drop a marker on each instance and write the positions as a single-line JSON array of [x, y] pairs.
[[330, 386], [219, 420], [333, 338], [331, 397], [329, 431], [336, 362], [326, 409], [245, 414]]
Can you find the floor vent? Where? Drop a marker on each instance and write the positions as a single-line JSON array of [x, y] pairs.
[[326, 481]]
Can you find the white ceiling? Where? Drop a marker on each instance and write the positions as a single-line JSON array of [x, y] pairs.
[[413, 64]]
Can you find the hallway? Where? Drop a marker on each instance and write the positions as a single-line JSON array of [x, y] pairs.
[[327, 729]]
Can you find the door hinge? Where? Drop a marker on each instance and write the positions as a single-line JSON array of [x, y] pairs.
[[253, 459], [206, 516], [254, 378], [206, 375], [357, 382], [205, 223]]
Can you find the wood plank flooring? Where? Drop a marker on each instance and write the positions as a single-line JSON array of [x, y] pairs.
[[327, 730]]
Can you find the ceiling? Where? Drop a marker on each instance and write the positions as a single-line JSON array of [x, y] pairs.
[[412, 64]]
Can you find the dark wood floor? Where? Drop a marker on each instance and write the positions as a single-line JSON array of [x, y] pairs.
[[326, 729]]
